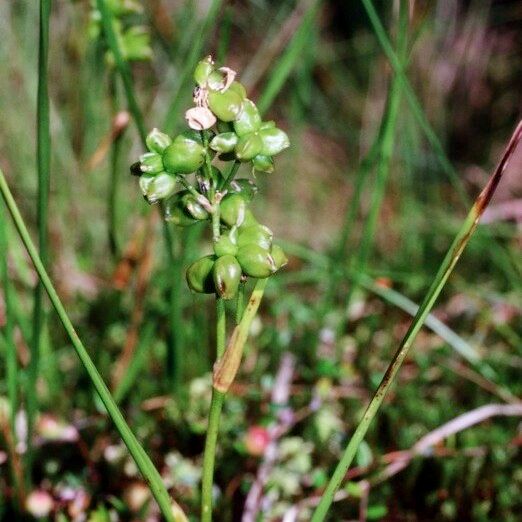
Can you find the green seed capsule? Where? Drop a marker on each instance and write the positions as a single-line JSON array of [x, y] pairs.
[[194, 207], [279, 256], [216, 80], [184, 156], [249, 219], [255, 235], [233, 209], [246, 187], [199, 275], [249, 120], [274, 141], [151, 163], [267, 125], [176, 212], [256, 261], [227, 276], [225, 246], [158, 141], [225, 105], [203, 70], [263, 163], [224, 142], [248, 147], [239, 89], [157, 186]]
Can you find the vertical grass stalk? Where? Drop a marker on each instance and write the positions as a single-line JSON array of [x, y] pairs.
[[447, 266], [143, 462], [43, 158]]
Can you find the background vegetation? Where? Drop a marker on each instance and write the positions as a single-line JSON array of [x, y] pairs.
[[368, 198]]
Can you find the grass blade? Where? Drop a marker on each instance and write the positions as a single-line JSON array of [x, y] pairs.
[[143, 462], [43, 160], [449, 262], [286, 63]]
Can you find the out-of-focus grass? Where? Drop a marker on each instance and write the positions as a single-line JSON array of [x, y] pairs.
[[464, 69]]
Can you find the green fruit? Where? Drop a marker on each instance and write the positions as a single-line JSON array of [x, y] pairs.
[[175, 211], [245, 187], [157, 186], [232, 210], [225, 245], [193, 207], [274, 141], [227, 276], [279, 256], [225, 105], [255, 235], [249, 120], [216, 80], [158, 141], [263, 163], [184, 155], [151, 163], [267, 125], [199, 275], [248, 147], [224, 142], [256, 261], [239, 89], [203, 70]]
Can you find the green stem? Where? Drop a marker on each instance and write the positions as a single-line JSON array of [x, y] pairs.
[[175, 302], [43, 154], [143, 462], [122, 66], [216, 406], [448, 264], [112, 193], [231, 175], [11, 361]]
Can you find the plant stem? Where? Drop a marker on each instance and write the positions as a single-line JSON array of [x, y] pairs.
[[43, 155], [11, 362], [175, 303], [143, 462], [450, 260], [216, 406], [122, 66]]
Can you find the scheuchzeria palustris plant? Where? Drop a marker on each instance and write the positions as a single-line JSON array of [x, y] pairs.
[[225, 124]]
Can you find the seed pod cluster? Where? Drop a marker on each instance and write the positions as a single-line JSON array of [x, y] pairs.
[[244, 249], [226, 124]]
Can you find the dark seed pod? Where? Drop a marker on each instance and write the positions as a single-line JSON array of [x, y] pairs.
[[227, 276], [255, 235], [199, 275], [256, 261], [232, 210], [184, 155], [135, 169]]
